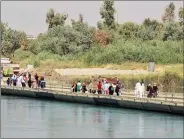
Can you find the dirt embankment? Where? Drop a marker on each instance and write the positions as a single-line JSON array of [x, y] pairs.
[[100, 71], [66, 76]]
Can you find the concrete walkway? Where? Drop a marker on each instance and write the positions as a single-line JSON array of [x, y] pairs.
[[126, 96]]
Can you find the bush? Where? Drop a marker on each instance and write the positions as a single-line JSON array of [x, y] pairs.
[[101, 37], [48, 55], [136, 51], [171, 79], [20, 54], [34, 61]]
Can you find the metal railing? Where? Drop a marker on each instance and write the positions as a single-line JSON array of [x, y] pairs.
[[165, 100]]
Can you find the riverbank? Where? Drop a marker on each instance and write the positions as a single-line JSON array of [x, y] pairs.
[[150, 104], [169, 77]]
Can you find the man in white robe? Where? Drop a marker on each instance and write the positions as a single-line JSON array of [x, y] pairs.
[[141, 91], [137, 89], [19, 81]]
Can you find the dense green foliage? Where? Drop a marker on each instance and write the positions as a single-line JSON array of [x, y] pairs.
[[64, 40], [11, 40], [151, 40], [138, 51], [107, 12]]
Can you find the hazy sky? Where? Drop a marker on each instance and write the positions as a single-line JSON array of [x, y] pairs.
[[30, 16]]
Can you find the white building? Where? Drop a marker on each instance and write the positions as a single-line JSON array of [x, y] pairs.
[[5, 61], [31, 37]]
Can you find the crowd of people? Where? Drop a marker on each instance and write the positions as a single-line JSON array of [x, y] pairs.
[[105, 87], [26, 79], [115, 88], [140, 90], [152, 90], [102, 87]]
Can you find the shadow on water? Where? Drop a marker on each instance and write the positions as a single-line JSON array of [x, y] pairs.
[[22, 117]]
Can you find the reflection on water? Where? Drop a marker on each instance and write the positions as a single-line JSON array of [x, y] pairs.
[[21, 118]]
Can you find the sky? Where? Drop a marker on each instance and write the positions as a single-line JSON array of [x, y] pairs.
[[30, 16]]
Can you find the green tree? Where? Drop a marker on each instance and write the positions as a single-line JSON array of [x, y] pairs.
[[129, 30], [49, 18], [63, 40], [146, 33], [3, 29], [154, 26], [179, 33], [151, 23], [53, 19], [35, 46], [169, 15], [100, 25], [169, 32], [181, 15], [11, 40], [85, 32], [107, 12]]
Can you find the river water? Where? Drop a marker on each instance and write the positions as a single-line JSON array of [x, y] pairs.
[[24, 117]]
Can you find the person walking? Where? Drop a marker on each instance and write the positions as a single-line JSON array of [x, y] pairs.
[[111, 89], [8, 81], [78, 86], [18, 81], [42, 84], [120, 86], [29, 75], [29, 82], [150, 91], [155, 90], [36, 78], [103, 86], [106, 88], [14, 79], [137, 89], [74, 87], [11, 81], [93, 85], [39, 81], [1, 76], [142, 89], [99, 86], [23, 81], [84, 89], [117, 89]]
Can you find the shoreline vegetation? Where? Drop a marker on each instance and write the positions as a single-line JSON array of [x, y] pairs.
[[111, 45]]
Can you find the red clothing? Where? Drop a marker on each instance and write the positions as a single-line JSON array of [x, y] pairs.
[[99, 86]]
